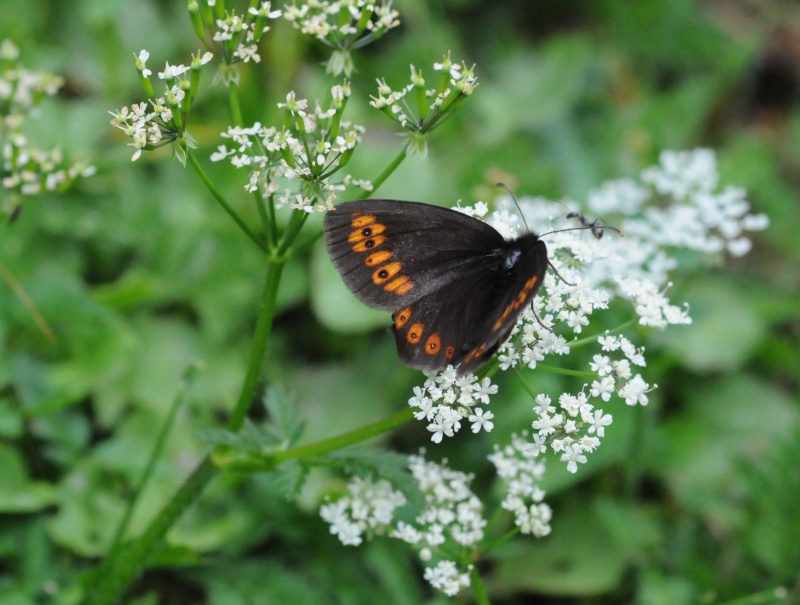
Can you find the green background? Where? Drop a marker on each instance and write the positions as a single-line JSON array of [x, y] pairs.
[[692, 499]]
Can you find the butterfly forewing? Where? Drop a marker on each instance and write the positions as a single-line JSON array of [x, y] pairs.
[[391, 253]]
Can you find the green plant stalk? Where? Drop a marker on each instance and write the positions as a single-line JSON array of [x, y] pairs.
[[233, 101], [263, 330], [158, 447], [478, 589], [222, 202], [591, 339], [345, 439], [115, 574], [387, 172], [117, 571]]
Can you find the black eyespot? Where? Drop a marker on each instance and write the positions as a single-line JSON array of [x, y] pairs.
[[366, 232]]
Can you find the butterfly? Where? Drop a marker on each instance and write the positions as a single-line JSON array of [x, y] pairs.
[[454, 285]]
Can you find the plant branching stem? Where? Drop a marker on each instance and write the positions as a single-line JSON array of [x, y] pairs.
[[223, 202]]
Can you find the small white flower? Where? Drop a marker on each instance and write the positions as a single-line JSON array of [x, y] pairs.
[[481, 420]]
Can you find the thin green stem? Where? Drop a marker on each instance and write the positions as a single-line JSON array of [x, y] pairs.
[[590, 339], [158, 448], [233, 102], [387, 172], [263, 330], [120, 567], [478, 589], [565, 371], [345, 439], [774, 595], [265, 219], [116, 573], [512, 533], [222, 202]]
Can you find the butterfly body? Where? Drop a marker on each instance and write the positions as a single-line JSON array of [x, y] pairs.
[[455, 285]]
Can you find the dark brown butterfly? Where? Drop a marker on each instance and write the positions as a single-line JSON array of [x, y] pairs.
[[455, 285]]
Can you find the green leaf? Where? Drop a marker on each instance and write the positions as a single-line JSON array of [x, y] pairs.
[[19, 494], [725, 330], [578, 559]]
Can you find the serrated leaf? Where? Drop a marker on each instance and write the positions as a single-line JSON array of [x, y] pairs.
[[283, 421], [289, 478]]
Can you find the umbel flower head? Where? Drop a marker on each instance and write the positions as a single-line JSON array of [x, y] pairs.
[[161, 121], [27, 170], [418, 109], [316, 144], [343, 25], [630, 272]]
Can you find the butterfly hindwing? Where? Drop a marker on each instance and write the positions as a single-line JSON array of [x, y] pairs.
[[392, 253], [434, 331], [521, 277], [465, 321]]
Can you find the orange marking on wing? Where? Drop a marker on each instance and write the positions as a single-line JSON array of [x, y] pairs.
[[401, 317], [449, 352], [415, 333], [377, 258], [385, 273], [369, 244], [516, 303], [362, 234], [433, 345], [399, 285], [362, 221]]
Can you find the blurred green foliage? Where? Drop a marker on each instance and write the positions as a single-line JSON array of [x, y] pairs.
[[138, 274]]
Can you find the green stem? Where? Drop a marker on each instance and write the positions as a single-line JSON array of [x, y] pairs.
[[116, 573], [387, 172], [500, 540], [233, 101], [345, 439], [263, 329], [118, 570], [590, 339], [222, 202], [478, 589], [565, 371], [158, 447]]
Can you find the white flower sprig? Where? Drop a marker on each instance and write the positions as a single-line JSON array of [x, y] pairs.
[[418, 109], [314, 146], [230, 36], [449, 526], [343, 25], [657, 213], [161, 120], [26, 170]]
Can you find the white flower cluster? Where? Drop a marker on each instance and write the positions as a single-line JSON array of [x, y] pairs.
[[519, 465], [672, 205], [429, 106], [319, 145], [370, 507], [446, 399], [451, 518], [343, 25], [238, 35], [159, 121], [25, 170], [29, 171]]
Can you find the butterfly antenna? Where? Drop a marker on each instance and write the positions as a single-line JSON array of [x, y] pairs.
[[508, 190], [588, 227]]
